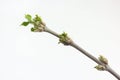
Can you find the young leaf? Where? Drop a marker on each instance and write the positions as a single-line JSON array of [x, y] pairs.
[[28, 17], [37, 18], [32, 29], [25, 23]]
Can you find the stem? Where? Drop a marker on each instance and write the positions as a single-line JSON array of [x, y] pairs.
[[51, 32], [85, 53], [110, 70]]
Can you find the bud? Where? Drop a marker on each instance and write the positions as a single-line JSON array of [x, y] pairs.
[[100, 67], [103, 59], [63, 38]]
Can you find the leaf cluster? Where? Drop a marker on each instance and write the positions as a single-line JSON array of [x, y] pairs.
[[36, 21]]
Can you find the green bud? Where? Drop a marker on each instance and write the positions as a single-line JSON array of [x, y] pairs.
[[63, 38], [100, 67], [103, 59]]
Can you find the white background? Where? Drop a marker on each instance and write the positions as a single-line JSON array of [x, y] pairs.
[[92, 24]]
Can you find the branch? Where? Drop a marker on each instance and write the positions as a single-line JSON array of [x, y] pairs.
[[107, 67], [40, 26]]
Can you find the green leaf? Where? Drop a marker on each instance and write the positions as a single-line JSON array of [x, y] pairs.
[[25, 23], [37, 18], [32, 29], [28, 17]]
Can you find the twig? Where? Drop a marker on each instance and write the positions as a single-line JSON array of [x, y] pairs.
[[39, 26], [110, 70]]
